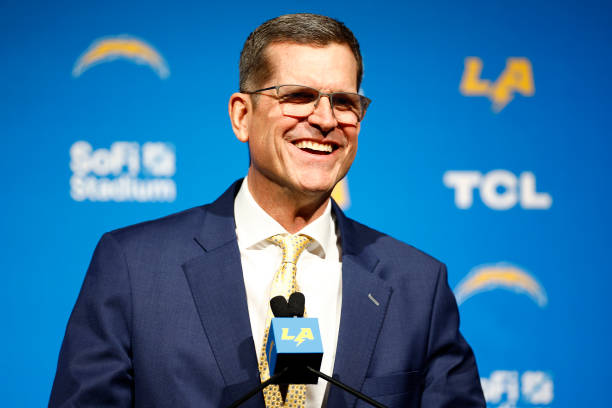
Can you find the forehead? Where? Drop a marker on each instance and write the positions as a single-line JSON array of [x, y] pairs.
[[332, 67]]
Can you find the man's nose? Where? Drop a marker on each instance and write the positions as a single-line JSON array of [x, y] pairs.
[[323, 114]]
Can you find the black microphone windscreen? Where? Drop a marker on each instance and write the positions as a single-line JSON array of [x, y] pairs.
[[279, 307], [297, 302]]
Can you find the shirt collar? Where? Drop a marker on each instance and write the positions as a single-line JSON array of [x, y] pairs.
[[254, 226]]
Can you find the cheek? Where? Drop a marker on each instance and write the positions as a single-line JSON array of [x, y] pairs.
[[267, 138], [353, 141], [352, 135]]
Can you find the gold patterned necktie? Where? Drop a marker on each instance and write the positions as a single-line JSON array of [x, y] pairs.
[[283, 284]]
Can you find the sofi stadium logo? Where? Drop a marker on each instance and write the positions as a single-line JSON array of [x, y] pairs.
[[126, 171], [125, 47], [517, 77], [512, 389], [499, 189]]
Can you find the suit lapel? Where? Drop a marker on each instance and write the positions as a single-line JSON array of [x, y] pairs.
[[364, 303], [217, 287]]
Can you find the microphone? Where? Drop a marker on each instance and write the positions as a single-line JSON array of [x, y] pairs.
[[296, 304], [295, 350], [293, 308], [294, 344], [280, 307]]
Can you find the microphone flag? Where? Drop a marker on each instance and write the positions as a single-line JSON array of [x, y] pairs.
[[294, 343]]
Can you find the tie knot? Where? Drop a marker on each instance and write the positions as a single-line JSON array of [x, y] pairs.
[[291, 246]]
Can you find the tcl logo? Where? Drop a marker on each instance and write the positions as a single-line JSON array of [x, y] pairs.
[[499, 189]]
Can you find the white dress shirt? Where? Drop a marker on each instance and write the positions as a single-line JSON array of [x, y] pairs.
[[319, 276]]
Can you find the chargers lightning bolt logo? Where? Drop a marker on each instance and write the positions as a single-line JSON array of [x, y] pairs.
[[121, 47], [502, 275]]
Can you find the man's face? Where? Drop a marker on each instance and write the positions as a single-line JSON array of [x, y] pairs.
[[294, 153]]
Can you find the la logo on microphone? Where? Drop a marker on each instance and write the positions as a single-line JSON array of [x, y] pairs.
[[294, 343], [305, 334], [295, 335]]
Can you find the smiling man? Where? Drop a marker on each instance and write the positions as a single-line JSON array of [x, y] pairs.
[[175, 312], [300, 147]]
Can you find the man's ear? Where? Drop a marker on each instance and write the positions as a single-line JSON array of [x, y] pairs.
[[240, 107]]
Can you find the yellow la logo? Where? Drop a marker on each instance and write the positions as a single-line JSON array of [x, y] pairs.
[[305, 334], [516, 77]]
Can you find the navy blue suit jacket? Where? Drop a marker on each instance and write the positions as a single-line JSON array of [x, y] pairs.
[[162, 321]]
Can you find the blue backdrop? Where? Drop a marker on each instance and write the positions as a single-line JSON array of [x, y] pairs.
[[489, 133]]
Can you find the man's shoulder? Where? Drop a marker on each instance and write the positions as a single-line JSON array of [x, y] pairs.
[[180, 226], [180, 221], [388, 249], [157, 238]]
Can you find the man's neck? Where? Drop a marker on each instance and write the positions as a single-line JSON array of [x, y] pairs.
[[291, 210]]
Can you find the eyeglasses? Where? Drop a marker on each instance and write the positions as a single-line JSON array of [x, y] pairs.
[[301, 101]]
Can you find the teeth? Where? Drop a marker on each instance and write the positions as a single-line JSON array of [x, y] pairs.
[[320, 147]]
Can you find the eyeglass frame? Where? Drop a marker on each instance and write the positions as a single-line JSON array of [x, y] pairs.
[[364, 100]]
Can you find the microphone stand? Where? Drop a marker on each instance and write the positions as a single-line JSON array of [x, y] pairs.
[[319, 374], [258, 388], [295, 307]]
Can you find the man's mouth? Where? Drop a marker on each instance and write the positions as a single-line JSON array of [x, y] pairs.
[[314, 147]]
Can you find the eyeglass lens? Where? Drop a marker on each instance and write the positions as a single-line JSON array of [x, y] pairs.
[[300, 101]]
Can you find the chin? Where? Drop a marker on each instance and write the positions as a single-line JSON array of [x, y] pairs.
[[312, 187]]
